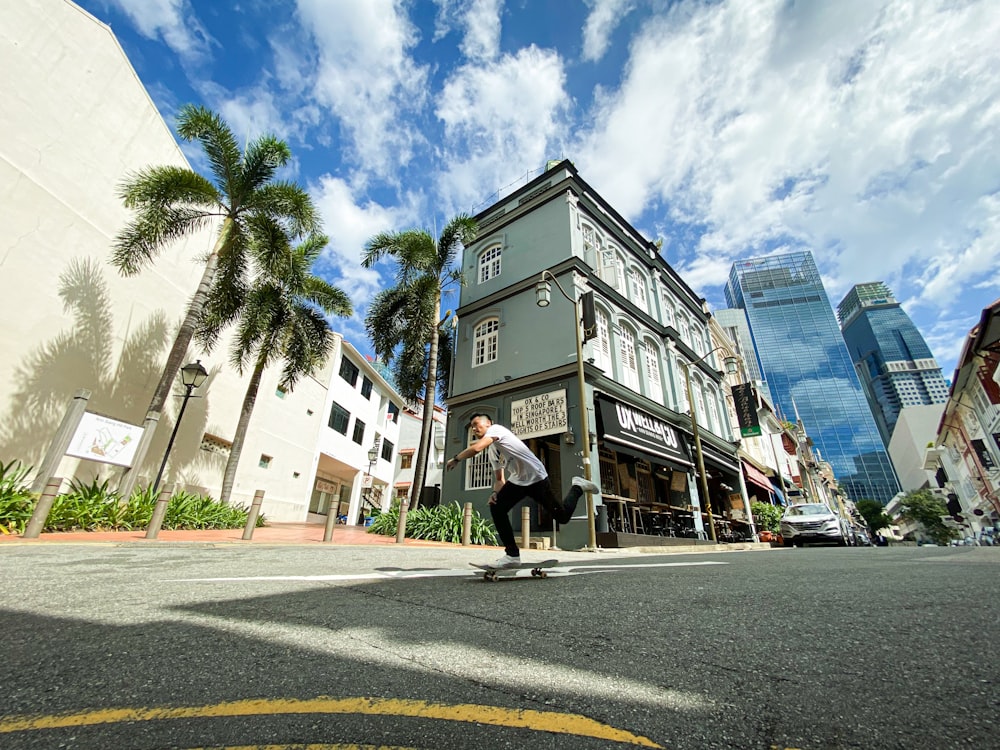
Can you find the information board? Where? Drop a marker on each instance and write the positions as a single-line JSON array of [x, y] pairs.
[[543, 414]]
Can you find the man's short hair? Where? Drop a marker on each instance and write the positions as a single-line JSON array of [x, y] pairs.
[[474, 417]]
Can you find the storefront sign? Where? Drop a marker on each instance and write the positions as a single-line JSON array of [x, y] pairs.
[[543, 414], [636, 429], [324, 486], [745, 399], [106, 440]]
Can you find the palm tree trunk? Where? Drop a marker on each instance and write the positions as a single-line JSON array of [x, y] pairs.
[[249, 400], [427, 423], [175, 360]]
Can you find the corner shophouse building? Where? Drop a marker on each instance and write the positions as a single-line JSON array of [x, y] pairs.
[[76, 120], [517, 363]]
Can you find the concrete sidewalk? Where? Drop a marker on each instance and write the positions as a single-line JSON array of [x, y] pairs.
[[273, 533]]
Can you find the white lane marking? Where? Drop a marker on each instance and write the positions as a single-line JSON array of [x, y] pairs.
[[444, 573]]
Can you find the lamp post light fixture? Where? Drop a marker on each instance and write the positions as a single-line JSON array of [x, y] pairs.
[[192, 376], [731, 366], [543, 297]]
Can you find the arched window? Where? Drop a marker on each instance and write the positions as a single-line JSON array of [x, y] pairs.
[[682, 395], [712, 399], [489, 263], [668, 311], [651, 360], [684, 330], [626, 352], [637, 288], [602, 342], [590, 254], [485, 343]]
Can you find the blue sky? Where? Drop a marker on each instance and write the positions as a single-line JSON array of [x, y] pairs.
[[864, 130]]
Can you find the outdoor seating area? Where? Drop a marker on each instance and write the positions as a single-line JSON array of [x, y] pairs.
[[647, 503]]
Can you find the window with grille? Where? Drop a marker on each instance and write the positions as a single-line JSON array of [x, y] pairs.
[[406, 461], [359, 432], [626, 351], [489, 264], [366, 387], [479, 473], [485, 342]]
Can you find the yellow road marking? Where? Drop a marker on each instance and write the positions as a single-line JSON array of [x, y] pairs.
[[310, 746], [539, 721]]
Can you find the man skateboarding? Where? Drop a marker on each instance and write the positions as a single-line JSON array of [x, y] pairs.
[[517, 474]]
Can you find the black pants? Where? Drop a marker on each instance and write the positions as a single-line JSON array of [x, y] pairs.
[[541, 492]]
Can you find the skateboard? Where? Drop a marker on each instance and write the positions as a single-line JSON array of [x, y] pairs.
[[491, 574]]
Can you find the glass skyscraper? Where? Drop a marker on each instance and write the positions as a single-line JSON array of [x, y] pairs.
[[808, 369], [894, 363]]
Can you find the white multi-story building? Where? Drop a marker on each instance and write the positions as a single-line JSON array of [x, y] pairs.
[[76, 120]]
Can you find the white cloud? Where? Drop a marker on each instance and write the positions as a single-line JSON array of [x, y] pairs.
[[350, 225], [500, 120], [864, 131], [365, 77], [173, 21], [482, 30], [603, 19]]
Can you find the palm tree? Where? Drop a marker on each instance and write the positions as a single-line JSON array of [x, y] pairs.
[[280, 316], [171, 202], [404, 321]]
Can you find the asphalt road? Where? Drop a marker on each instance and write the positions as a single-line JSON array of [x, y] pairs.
[[192, 646]]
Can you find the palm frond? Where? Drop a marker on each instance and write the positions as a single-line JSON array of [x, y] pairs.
[[289, 204], [460, 231], [159, 186], [264, 156], [142, 239], [221, 147]]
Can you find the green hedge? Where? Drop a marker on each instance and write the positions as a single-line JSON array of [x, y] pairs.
[[440, 524], [96, 507]]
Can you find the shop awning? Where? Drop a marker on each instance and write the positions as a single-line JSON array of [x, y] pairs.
[[780, 494], [718, 458], [640, 433], [755, 475]]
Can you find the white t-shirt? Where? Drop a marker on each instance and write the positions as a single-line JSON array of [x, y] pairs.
[[520, 465]]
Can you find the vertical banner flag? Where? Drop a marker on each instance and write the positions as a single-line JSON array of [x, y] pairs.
[[745, 398]]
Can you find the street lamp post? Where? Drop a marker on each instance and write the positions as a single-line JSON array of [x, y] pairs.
[[543, 296], [730, 368], [192, 376], [372, 456]]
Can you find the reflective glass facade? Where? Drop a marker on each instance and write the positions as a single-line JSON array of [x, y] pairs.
[[894, 363], [808, 369]]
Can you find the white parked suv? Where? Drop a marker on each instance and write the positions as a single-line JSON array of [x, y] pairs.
[[812, 522]]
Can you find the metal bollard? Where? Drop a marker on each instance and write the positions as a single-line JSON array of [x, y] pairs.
[[42, 508], [258, 498], [467, 525], [331, 521], [525, 527], [159, 511]]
